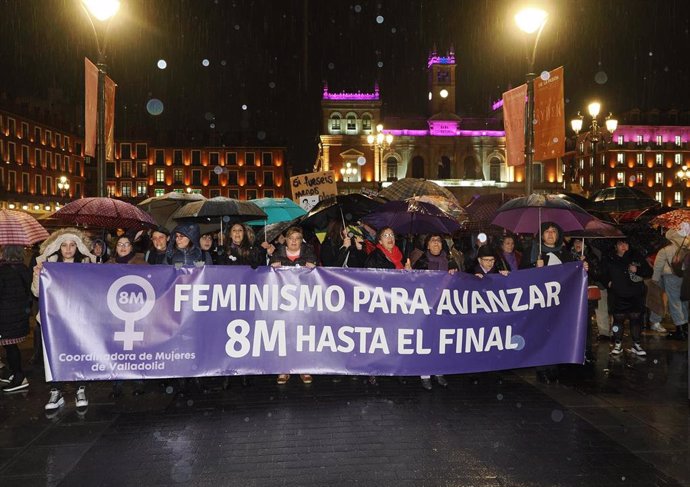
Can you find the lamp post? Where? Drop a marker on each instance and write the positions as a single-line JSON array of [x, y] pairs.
[[381, 143], [530, 20], [102, 11], [346, 172], [595, 134], [63, 186]]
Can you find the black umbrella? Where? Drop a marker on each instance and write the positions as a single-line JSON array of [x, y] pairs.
[[621, 199], [271, 231], [219, 206], [348, 208], [412, 217]]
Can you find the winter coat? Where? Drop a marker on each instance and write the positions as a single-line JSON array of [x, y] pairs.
[[662, 263], [423, 262], [306, 254], [378, 260], [190, 255], [137, 258], [153, 257], [15, 300], [334, 255], [627, 292], [251, 256]]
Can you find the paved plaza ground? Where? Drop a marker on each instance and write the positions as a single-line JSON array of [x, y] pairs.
[[622, 422]]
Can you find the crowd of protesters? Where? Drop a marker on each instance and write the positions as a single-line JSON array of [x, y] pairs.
[[616, 273]]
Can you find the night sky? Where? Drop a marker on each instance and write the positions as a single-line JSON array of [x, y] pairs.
[[273, 56]]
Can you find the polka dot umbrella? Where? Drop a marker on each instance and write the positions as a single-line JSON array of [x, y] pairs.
[[104, 213], [19, 228]]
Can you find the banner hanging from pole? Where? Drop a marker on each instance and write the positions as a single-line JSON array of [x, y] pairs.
[[514, 124], [109, 119], [90, 107], [549, 117]]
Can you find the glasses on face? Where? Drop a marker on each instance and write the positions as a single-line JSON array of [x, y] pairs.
[[487, 259], [124, 244], [435, 240], [388, 235]]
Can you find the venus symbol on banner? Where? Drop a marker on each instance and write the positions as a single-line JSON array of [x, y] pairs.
[[118, 298]]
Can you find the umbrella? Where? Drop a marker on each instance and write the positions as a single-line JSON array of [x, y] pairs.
[[578, 199], [271, 231], [346, 207], [104, 213], [412, 217], [621, 199], [19, 228], [409, 187], [447, 205], [672, 219], [162, 207], [597, 228], [220, 206], [278, 210], [482, 209], [525, 214]]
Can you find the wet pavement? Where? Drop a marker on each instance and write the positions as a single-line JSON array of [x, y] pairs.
[[621, 422]]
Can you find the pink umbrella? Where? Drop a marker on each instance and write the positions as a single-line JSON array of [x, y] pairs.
[[104, 213], [19, 228]]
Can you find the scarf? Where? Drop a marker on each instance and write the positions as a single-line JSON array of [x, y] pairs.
[[437, 262], [125, 259], [511, 260], [394, 256]]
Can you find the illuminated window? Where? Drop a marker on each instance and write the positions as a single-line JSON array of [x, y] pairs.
[[126, 169], [659, 159], [639, 177], [659, 140], [142, 169], [158, 192], [639, 140], [659, 177], [142, 188], [639, 157], [677, 197], [659, 196], [351, 123], [678, 159], [620, 158], [676, 140], [335, 122], [602, 178], [126, 190], [582, 163], [160, 175], [178, 175], [620, 177], [620, 139]]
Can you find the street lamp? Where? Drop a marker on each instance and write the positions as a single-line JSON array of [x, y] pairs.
[[381, 143], [595, 132], [103, 11], [346, 172], [530, 20], [63, 185]]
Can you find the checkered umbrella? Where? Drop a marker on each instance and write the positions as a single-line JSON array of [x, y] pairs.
[[409, 187], [482, 209], [104, 213], [19, 228]]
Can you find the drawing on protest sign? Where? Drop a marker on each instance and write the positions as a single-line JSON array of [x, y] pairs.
[[315, 186], [160, 321]]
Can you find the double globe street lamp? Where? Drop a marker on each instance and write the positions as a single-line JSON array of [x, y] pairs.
[[63, 186], [595, 134], [381, 143], [102, 11]]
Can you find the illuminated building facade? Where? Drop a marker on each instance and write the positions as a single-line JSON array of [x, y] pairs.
[[142, 170], [465, 154], [41, 166]]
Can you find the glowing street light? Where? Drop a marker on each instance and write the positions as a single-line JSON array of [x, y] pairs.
[[530, 20], [381, 143], [63, 185], [595, 133], [102, 11]]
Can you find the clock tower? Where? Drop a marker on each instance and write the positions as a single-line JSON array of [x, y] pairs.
[[441, 82]]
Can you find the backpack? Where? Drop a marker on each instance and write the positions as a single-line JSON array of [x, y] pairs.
[[679, 259]]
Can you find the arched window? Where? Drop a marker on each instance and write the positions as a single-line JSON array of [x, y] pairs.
[[366, 122], [351, 122], [417, 167], [391, 169], [495, 169], [444, 168], [335, 122]]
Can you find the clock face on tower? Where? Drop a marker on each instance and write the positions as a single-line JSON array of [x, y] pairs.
[[443, 76]]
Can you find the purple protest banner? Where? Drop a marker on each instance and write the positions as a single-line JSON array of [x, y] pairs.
[[131, 322]]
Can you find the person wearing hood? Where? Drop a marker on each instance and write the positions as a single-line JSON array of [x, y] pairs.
[[670, 283], [184, 248], [624, 272], [156, 255], [100, 250], [69, 245]]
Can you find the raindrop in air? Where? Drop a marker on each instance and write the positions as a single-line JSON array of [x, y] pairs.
[[567, 100], [555, 140], [557, 415], [331, 66], [601, 77], [380, 64], [499, 397], [244, 107], [394, 30], [261, 135], [205, 63], [209, 116], [651, 53], [237, 26], [271, 85], [518, 342], [358, 8], [615, 329], [379, 19], [213, 125], [161, 64], [545, 75], [656, 361], [246, 420], [154, 106], [223, 63], [190, 403]]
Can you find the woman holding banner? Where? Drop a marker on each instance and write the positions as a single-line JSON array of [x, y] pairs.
[[240, 249], [69, 245], [295, 253]]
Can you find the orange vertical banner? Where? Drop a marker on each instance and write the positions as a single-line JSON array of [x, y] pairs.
[[514, 124], [109, 119], [549, 127], [90, 107]]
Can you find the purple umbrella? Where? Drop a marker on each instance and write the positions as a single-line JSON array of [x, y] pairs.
[[525, 215], [412, 217]]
